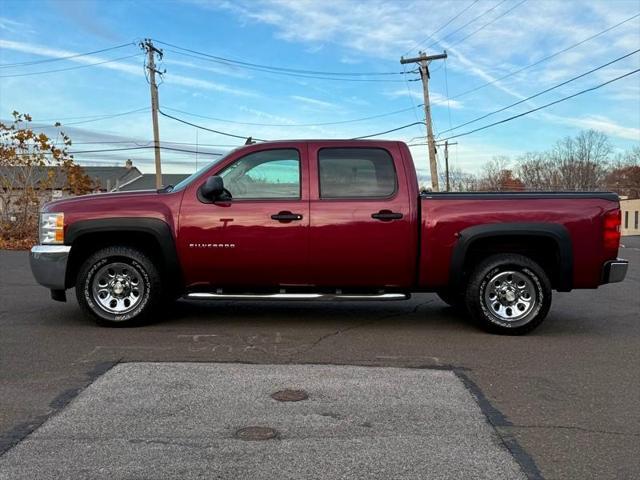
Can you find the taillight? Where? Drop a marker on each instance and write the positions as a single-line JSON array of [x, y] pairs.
[[611, 233]]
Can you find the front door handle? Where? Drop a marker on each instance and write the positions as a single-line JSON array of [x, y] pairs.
[[386, 215], [286, 216]]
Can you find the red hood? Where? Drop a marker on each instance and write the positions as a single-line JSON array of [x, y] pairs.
[[96, 199]]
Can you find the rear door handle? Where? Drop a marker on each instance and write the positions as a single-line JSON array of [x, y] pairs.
[[286, 216], [386, 215]]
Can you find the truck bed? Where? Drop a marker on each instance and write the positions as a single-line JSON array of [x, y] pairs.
[[449, 220]]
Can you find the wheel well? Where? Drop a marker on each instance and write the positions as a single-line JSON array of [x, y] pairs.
[[541, 249], [91, 242]]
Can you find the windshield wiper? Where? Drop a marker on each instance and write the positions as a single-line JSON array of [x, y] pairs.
[[165, 189]]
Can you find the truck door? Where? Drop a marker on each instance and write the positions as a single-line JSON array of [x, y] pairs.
[[259, 238], [362, 232]]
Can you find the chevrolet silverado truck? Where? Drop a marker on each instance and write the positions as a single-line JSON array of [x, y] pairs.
[[338, 219]]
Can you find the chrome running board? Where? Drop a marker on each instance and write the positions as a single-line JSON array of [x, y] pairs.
[[297, 296]]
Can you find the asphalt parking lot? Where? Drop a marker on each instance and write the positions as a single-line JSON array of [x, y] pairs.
[[562, 401]]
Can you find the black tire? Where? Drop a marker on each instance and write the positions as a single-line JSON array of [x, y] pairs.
[[497, 300], [452, 298], [138, 268]]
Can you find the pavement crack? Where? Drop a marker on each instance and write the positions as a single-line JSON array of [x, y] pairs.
[[364, 324], [170, 443], [339, 332], [574, 427], [422, 304]]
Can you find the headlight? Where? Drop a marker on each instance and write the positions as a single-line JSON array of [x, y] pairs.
[[51, 228]]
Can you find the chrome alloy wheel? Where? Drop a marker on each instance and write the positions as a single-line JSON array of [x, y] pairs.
[[510, 296], [118, 288]]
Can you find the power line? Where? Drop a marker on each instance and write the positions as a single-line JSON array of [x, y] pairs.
[[542, 92], [106, 117], [279, 72], [57, 59], [541, 107], [417, 44], [282, 69], [143, 143], [197, 152], [549, 57], [488, 23], [209, 129], [290, 124], [446, 86], [96, 116], [104, 150], [388, 131], [466, 24], [410, 93], [70, 68]]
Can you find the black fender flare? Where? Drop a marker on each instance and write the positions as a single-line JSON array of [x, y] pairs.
[[159, 229], [555, 231]]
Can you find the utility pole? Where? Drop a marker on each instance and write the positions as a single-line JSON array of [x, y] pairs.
[[423, 60], [147, 45], [446, 161]]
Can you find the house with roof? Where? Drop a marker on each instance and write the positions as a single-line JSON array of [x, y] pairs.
[[147, 181], [107, 179]]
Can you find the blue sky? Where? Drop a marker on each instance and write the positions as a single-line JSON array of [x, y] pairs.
[[329, 36]]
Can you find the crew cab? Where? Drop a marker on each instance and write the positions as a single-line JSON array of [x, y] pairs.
[[339, 219]]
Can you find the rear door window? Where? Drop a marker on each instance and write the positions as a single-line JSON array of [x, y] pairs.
[[356, 173]]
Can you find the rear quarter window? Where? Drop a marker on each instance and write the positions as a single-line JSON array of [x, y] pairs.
[[356, 173]]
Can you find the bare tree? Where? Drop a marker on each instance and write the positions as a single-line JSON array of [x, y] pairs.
[[537, 172], [574, 163], [581, 162], [624, 174], [459, 180], [491, 179]]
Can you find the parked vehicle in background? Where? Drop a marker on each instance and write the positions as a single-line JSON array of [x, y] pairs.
[[335, 218]]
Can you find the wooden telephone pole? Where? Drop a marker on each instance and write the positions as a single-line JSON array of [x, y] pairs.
[[446, 162], [147, 46], [423, 60]]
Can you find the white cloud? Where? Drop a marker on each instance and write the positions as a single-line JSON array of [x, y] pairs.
[[435, 98], [313, 101], [14, 27], [382, 29], [221, 70], [123, 67], [605, 125]]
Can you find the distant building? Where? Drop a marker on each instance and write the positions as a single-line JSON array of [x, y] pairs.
[[106, 179], [147, 181], [109, 179], [630, 216]]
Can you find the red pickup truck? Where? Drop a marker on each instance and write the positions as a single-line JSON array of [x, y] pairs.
[[316, 219]]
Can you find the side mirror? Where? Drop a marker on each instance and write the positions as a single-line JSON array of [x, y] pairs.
[[213, 188]]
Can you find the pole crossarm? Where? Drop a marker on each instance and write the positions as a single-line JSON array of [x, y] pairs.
[[422, 57]]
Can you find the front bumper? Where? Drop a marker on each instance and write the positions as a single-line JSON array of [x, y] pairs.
[[614, 270], [49, 265]]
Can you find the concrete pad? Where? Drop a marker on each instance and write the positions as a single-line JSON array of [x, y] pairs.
[[178, 420]]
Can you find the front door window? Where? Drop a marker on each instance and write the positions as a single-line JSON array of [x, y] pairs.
[[270, 174]]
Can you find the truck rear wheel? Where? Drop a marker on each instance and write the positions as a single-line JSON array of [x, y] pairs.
[[118, 286], [508, 294]]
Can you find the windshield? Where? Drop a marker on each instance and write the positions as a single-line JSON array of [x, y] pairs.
[[182, 184]]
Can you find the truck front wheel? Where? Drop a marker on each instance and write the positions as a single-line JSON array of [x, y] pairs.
[[118, 286], [508, 294]]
